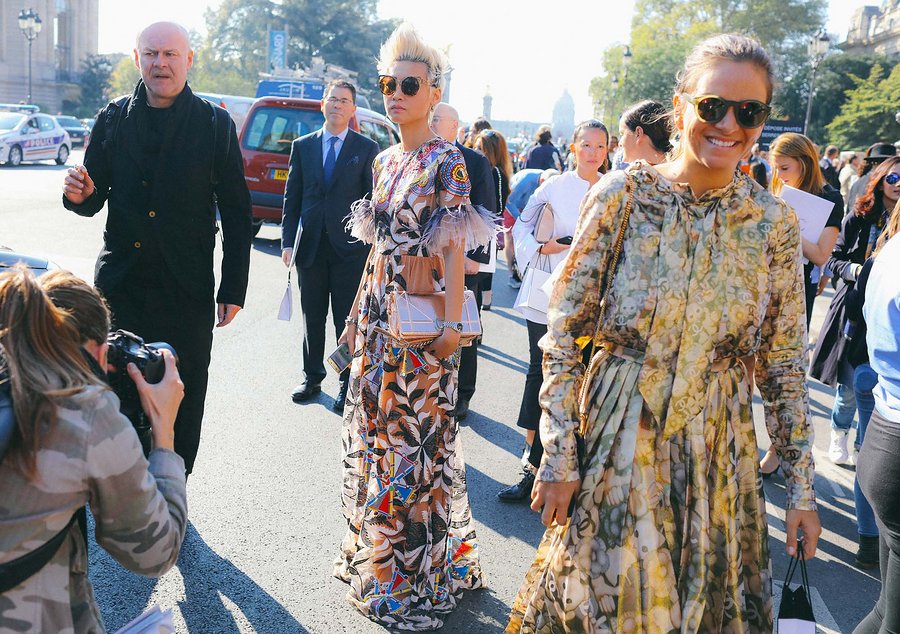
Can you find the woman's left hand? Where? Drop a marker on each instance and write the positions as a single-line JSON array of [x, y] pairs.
[[445, 345], [806, 521]]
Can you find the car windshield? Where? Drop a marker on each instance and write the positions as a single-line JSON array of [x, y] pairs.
[[9, 120], [273, 129], [71, 121]]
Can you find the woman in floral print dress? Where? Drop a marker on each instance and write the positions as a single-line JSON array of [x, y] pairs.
[[410, 548], [668, 532]]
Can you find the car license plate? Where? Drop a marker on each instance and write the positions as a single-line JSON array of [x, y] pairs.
[[278, 175]]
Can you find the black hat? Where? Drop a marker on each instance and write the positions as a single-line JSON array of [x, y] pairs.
[[878, 152]]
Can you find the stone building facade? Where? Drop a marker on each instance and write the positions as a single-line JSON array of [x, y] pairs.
[[875, 29], [69, 34]]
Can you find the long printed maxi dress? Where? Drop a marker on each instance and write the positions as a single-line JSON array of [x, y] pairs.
[[410, 548], [669, 531]]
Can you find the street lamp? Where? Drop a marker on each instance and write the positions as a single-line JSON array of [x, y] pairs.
[[30, 24], [816, 49]]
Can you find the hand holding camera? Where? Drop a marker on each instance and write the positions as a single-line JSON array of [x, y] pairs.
[[145, 378], [160, 401]]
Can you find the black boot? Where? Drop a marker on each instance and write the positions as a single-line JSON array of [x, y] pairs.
[[519, 491], [867, 555]]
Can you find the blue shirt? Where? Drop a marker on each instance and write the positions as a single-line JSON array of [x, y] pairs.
[[522, 186], [337, 146], [882, 313]]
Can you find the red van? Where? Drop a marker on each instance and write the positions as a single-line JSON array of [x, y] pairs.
[[271, 126]]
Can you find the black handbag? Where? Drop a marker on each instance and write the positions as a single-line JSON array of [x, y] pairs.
[[795, 614]]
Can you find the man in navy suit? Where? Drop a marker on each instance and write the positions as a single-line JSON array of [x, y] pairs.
[[329, 169], [445, 122]]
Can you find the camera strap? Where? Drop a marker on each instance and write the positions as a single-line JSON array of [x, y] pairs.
[[15, 572]]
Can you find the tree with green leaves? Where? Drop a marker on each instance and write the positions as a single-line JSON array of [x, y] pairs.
[[664, 31], [346, 33], [123, 77], [95, 74], [867, 114]]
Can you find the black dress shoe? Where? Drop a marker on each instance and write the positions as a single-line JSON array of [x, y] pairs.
[[305, 392], [519, 491], [461, 410], [341, 399]]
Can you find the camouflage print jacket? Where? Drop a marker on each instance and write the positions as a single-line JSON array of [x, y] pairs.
[[92, 455]]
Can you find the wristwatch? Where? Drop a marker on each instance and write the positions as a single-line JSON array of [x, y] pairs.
[[455, 325]]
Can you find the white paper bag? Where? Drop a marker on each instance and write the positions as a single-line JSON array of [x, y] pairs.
[[491, 266], [286, 310], [532, 294], [796, 626], [287, 303], [153, 621]]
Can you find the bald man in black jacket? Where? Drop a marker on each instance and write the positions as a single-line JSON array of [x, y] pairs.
[[445, 123]]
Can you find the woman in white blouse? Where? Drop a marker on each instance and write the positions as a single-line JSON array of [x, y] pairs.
[[564, 194]]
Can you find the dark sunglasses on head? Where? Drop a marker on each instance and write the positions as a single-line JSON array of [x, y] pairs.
[[892, 178], [748, 114], [409, 86]]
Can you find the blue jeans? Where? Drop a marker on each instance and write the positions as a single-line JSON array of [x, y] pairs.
[[864, 380], [844, 408]]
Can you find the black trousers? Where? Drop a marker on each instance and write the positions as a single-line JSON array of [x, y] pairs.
[[878, 471], [468, 360], [530, 408], [330, 278], [159, 310]]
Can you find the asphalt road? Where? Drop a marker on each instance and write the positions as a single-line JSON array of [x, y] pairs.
[[264, 515]]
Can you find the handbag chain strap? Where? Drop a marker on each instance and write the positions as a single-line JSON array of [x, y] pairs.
[[608, 276]]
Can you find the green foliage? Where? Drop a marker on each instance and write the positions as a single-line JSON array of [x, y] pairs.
[[95, 74], [342, 32], [834, 79], [664, 31], [123, 78], [867, 114]]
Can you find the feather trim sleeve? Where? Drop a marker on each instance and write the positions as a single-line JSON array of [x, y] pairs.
[[464, 224], [361, 221]]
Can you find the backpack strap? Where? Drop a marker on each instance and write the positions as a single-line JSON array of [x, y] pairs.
[[17, 571], [111, 121]]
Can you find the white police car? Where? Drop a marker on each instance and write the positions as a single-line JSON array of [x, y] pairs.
[[32, 137]]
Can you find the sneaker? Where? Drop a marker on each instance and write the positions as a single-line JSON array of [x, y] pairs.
[[514, 283], [838, 452]]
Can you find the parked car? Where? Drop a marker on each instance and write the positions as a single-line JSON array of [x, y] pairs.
[[78, 132], [38, 266], [271, 126], [32, 137], [377, 127], [237, 106]]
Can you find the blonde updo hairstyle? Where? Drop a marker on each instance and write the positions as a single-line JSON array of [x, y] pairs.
[[406, 45], [730, 47]]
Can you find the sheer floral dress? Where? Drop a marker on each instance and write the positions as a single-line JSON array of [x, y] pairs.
[[669, 529], [410, 548]]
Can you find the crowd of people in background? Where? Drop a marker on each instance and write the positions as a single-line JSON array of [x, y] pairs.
[[662, 278]]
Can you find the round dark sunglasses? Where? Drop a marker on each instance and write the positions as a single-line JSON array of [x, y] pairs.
[[892, 179], [409, 86], [748, 114]]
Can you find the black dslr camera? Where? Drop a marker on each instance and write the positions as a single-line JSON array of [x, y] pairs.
[[125, 348]]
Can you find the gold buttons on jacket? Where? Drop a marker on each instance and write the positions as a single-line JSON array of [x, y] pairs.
[[152, 214], [137, 245]]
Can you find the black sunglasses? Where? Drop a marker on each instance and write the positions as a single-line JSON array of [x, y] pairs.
[[409, 86], [748, 114], [892, 178]]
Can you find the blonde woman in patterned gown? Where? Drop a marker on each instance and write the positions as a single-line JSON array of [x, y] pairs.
[[668, 532], [410, 548]]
